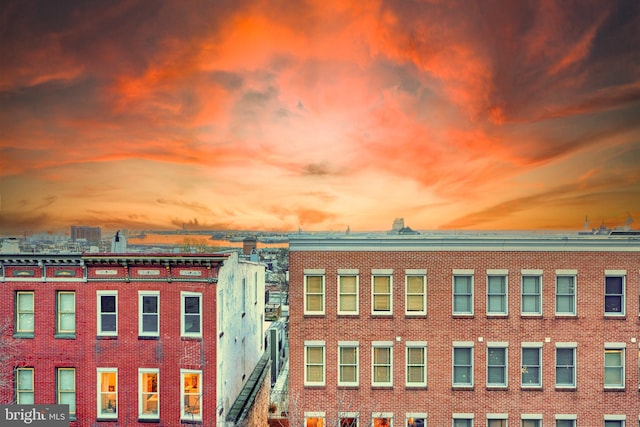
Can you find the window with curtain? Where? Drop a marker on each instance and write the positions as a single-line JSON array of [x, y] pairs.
[[314, 365], [416, 365], [382, 302], [314, 295], [382, 366], [348, 365], [107, 393], [191, 395], [416, 295], [149, 395], [348, 294]]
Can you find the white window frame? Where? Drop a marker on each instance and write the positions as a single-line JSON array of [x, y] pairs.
[[504, 275], [423, 275], [468, 345], [573, 274], [60, 313], [621, 347], [375, 363], [471, 276], [562, 419], [60, 391], [100, 392], [387, 415], [567, 346], [342, 345], [462, 416], [531, 417], [504, 346], [315, 344], [183, 314], [498, 417], [413, 345], [381, 273], [22, 390], [19, 329], [99, 295], [623, 297], [315, 273], [142, 392], [348, 273], [142, 314], [189, 416], [537, 346], [537, 274]]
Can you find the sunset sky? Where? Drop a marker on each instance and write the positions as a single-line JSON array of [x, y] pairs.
[[323, 114]]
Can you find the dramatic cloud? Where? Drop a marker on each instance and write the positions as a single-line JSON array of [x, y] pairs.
[[319, 114]]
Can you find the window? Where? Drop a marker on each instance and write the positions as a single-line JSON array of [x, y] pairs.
[[348, 294], [463, 365], [382, 419], [314, 294], [191, 395], [416, 364], [565, 365], [107, 313], [314, 419], [24, 386], [567, 420], [566, 295], [614, 365], [614, 301], [66, 389], [66, 313], [531, 303], [382, 297], [497, 420], [348, 419], [532, 422], [382, 363], [462, 293], [107, 393], [497, 292], [149, 313], [314, 357], [462, 420], [614, 420], [416, 295], [191, 310], [497, 364], [148, 393], [416, 419], [348, 363], [25, 313], [531, 368]]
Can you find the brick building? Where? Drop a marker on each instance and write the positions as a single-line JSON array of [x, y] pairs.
[[127, 339], [465, 330]]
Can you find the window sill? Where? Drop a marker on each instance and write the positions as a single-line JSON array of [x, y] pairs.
[[191, 422], [27, 335], [531, 316], [568, 388], [149, 420], [463, 316], [615, 389], [615, 317], [415, 315], [381, 386], [498, 388], [382, 315], [463, 388], [415, 387], [107, 420], [566, 316], [497, 315], [148, 338], [531, 388], [349, 315], [63, 336], [107, 337], [348, 387], [316, 386], [183, 338], [314, 315]]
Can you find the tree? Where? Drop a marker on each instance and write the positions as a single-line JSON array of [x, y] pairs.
[[8, 350]]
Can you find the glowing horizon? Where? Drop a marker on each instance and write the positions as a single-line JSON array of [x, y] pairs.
[[319, 115]]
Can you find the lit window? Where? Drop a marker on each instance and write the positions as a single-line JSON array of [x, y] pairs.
[[382, 297], [566, 366], [531, 368], [107, 313], [566, 295], [191, 395], [348, 364], [614, 301], [24, 386], [496, 294], [66, 315], [314, 419], [314, 360], [25, 314], [149, 395], [614, 366], [496, 366], [462, 294], [66, 389], [314, 294], [416, 364], [107, 393], [191, 316], [149, 313], [416, 298], [416, 419], [463, 366], [382, 419], [382, 364], [348, 294], [531, 295]]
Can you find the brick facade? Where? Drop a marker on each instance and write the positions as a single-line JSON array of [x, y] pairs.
[[589, 331]]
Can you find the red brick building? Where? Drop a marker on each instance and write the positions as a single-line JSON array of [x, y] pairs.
[[465, 330], [123, 339]]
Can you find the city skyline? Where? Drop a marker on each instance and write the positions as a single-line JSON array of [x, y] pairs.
[[319, 115]]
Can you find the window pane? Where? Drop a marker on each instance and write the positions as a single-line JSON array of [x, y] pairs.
[[415, 356], [192, 323], [415, 303], [25, 302], [496, 285], [348, 374], [25, 379], [565, 285], [314, 302], [150, 323], [415, 284], [565, 423], [108, 303], [314, 354], [381, 355], [348, 355], [462, 356], [381, 302], [192, 304], [382, 284], [348, 284], [149, 304], [314, 284], [108, 322], [66, 302], [462, 285], [347, 303], [614, 285]]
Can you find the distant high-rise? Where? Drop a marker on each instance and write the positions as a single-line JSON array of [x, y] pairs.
[[91, 234]]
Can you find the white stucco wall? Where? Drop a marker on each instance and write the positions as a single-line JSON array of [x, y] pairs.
[[235, 359]]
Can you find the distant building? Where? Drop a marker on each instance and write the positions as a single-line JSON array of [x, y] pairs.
[[91, 234], [119, 243], [464, 330], [128, 339]]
